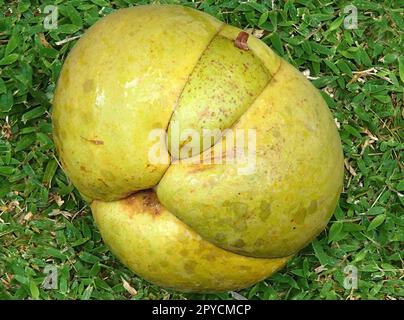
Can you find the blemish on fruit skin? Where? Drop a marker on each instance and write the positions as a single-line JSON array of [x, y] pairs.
[[220, 237], [259, 242], [189, 266], [200, 167], [239, 243], [209, 257], [312, 206], [300, 215], [97, 142], [103, 182], [265, 211], [94, 141], [151, 167], [245, 268], [143, 202], [241, 40], [88, 85], [83, 168]]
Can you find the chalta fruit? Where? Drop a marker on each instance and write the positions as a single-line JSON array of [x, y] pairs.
[[173, 219]]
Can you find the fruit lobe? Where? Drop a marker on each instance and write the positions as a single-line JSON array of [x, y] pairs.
[[164, 250]]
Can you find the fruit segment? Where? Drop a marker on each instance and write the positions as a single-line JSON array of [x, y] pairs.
[[223, 85], [225, 82], [274, 201], [159, 247], [120, 82]]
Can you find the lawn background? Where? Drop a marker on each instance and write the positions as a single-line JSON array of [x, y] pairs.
[[43, 220]]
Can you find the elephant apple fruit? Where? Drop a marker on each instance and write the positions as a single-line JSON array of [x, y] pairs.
[[166, 212]]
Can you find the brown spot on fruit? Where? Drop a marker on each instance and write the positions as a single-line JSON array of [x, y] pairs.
[[151, 202], [210, 257], [88, 85], [200, 167], [245, 268], [151, 168], [312, 207], [204, 112], [265, 210], [97, 142], [103, 182], [83, 168], [241, 41], [220, 237], [189, 266], [143, 202], [239, 243], [300, 216], [94, 141], [259, 242]]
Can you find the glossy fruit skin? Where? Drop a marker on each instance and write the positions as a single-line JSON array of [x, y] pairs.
[[159, 66]]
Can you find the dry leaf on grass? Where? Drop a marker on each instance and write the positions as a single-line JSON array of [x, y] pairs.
[[28, 216], [320, 269], [349, 167], [258, 33], [128, 287], [43, 40], [58, 200]]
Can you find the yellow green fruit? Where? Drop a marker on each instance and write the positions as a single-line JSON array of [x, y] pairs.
[[182, 224], [157, 245]]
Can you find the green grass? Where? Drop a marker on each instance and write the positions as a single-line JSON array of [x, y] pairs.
[[44, 221]]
